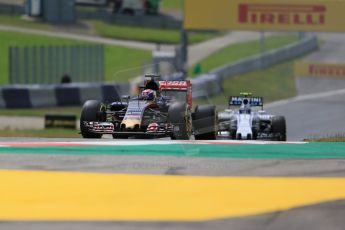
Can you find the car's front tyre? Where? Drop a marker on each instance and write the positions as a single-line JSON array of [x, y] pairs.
[[92, 111], [279, 128]]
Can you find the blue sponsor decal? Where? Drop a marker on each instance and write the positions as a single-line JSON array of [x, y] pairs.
[[253, 101]]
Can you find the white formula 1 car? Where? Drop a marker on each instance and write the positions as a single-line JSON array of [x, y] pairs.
[[244, 123]]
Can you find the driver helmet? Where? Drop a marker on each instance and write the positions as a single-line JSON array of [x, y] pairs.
[[148, 94]]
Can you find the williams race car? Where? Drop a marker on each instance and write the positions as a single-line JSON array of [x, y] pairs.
[[244, 123], [161, 109]]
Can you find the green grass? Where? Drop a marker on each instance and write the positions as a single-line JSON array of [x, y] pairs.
[[172, 5], [117, 58], [165, 36], [336, 138], [44, 133], [40, 112], [273, 83], [239, 51], [17, 20], [103, 29]]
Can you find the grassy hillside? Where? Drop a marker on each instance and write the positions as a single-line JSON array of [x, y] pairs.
[[273, 83], [239, 51]]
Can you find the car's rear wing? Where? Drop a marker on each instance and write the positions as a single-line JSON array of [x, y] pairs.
[[253, 101], [175, 85]]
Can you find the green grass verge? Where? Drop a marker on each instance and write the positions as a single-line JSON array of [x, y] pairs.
[[236, 52], [40, 112], [336, 138], [117, 58], [44, 133], [273, 83], [165, 36], [17, 20], [103, 29], [172, 5]]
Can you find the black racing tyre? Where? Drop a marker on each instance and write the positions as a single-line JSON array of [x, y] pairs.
[[255, 135], [180, 118], [92, 111], [239, 136], [233, 134], [205, 122], [279, 127]]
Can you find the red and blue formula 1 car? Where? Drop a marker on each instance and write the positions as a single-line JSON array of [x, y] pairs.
[[161, 109]]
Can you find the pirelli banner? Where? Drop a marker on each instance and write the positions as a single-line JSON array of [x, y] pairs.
[[303, 69], [287, 15]]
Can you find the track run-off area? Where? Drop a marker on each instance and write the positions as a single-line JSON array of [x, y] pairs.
[[163, 181]]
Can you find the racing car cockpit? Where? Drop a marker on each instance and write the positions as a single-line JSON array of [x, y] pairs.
[[245, 107], [148, 95]]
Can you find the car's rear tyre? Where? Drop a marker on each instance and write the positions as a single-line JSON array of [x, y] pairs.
[[205, 122], [255, 135], [92, 111], [279, 128], [239, 136], [180, 118]]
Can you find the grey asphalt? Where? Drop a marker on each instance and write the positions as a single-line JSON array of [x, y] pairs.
[[176, 165], [312, 117], [328, 216], [316, 217], [317, 116]]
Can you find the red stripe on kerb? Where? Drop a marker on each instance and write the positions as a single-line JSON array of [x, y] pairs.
[[285, 8]]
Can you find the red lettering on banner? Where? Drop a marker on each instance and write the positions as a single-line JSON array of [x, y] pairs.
[[326, 70], [282, 14]]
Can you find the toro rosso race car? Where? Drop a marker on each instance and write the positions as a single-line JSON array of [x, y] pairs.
[[161, 109], [244, 123]]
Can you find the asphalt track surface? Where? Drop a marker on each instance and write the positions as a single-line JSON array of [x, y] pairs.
[[328, 215], [317, 114], [311, 116], [317, 217]]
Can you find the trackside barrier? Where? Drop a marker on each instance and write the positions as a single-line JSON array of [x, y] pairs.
[[75, 94], [211, 84]]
